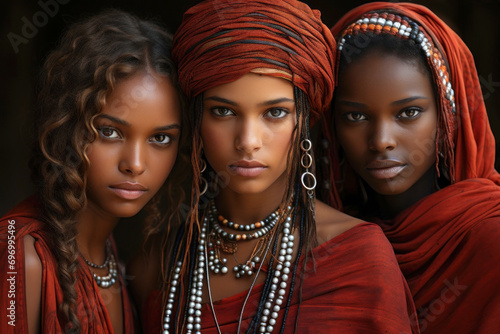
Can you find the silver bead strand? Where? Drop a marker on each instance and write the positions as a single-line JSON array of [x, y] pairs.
[[196, 289], [279, 281], [171, 298]]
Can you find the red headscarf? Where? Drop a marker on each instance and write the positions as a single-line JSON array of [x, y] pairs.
[[447, 243], [284, 39], [474, 152]]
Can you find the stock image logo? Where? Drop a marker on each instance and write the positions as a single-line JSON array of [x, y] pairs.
[[31, 26]]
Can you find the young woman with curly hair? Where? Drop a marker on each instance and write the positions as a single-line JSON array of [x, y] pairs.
[[107, 132]]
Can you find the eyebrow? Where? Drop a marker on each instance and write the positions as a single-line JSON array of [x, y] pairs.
[[168, 127], [263, 104], [408, 99], [398, 102], [276, 101], [125, 123], [221, 99], [114, 119], [352, 104]]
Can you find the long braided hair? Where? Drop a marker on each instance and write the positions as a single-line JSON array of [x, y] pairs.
[[92, 58]]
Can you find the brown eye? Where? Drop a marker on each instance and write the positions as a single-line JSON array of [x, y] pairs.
[[410, 113], [162, 139], [108, 132], [354, 116], [221, 111], [277, 113]]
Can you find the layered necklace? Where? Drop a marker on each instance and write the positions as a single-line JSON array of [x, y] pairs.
[[212, 242], [112, 276], [220, 241]]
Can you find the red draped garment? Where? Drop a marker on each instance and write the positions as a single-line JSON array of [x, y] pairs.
[[447, 243], [91, 309], [357, 288]]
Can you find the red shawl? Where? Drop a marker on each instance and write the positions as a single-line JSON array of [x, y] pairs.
[[357, 288], [91, 310], [447, 244]]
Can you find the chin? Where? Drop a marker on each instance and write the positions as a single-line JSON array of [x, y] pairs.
[[390, 187], [247, 188], [128, 210]]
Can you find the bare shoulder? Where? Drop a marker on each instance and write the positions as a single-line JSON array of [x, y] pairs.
[[32, 262], [33, 277], [331, 222], [144, 270]]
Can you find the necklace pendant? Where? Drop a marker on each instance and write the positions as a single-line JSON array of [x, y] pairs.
[[216, 263], [229, 247]]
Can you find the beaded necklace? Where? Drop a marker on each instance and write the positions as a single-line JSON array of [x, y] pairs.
[[220, 241], [273, 300], [112, 276]]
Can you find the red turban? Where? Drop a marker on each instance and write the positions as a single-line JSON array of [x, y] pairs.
[[221, 40]]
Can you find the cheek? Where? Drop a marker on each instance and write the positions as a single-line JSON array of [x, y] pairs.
[[162, 163], [218, 144], [213, 137], [422, 146], [100, 168], [279, 134], [351, 140], [101, 159], [280, 140]]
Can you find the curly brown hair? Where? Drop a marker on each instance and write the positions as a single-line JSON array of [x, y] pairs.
[[93, 56]]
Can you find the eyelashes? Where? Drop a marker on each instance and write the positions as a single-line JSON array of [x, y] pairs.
[[406, 114], [410, 113], [274, 113], [110, 133]]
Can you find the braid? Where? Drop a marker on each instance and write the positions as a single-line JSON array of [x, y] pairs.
[[63, 195]]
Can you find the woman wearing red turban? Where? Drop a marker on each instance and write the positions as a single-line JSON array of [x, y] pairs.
[[258, 253], [416, 156]]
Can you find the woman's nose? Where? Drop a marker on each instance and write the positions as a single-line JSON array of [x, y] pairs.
[[133, 159]]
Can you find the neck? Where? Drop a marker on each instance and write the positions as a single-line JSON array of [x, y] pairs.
[[249, 208], [94, 228], [390, 206]]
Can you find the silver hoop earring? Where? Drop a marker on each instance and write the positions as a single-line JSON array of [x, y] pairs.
[[203, 181], [306, 162]]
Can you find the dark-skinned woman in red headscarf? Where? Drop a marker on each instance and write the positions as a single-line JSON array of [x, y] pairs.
[[258, 253], [416, 156]]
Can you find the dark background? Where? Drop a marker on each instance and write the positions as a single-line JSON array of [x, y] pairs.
[[476, 22]]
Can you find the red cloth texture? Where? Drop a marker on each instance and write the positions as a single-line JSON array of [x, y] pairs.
[[357, 288], [91, 309], [447, 244], [220, 41], [447, 247]]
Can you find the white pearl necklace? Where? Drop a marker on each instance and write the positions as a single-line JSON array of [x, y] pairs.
[[275, 297]]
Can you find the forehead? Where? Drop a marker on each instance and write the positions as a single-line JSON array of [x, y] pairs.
[[253, 87], [381, 76], [143, 97]]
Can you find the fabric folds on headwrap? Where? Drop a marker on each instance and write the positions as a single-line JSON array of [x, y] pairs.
[[283, 39]]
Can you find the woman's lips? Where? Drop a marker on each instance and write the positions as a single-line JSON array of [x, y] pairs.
[[385, 169], [385, 173], [128, 190], [247, 168]]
